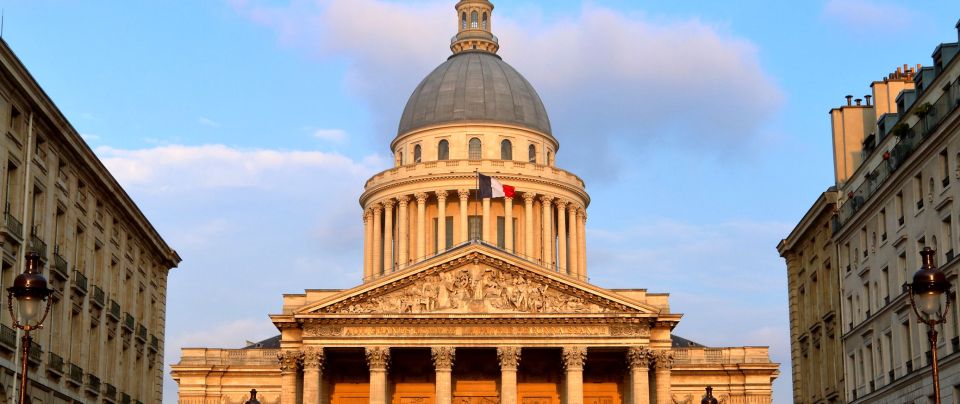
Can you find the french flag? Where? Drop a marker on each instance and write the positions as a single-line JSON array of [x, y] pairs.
[[491, 188]]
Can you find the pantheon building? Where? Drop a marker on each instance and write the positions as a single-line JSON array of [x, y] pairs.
[[474, 300]]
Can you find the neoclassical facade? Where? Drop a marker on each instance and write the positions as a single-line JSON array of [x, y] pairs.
[[475, 300]]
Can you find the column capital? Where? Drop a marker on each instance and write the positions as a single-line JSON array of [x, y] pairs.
[[561, 203], [573, 208], [421, 197], [582, 214], [574, 357], [290, 360], [528, 197], [403, 200], [509, 357], [443, 357], [313, 357], [376, 207], [441, 195], [639, 357], [378, 358], [663, 359], [367, 215], [464, 194], [546, 200], [389, 203]]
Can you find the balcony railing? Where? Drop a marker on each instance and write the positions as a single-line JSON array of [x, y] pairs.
[[35, 354], [155, 343], [79, 283], [93, 384], [38, 245], [128, 322], [909, 139], [60, 266], [55, 364], [142, 333], [98, 298], [8, 337], [110, 392], [114, 311], [124, 398], [75, 375], [12, 225]]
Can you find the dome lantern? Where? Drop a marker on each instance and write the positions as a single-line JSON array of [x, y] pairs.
[[474, 32]]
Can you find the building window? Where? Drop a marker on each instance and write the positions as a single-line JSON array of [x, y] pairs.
[[443, 150], [506, 150], [416, 154], [473, 19], [475, 227], [882, 224], [476, 149], [898, 205], [946, 232], [484, 20], [532, 154], [463, 21], [944, 169], [448, 231], [918, 190]]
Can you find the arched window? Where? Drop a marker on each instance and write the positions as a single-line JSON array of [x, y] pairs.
[[549, 158], [416, 154], [443, 150], [476, 149], [484, 20], [400, 158], [463, 20], [532, 154], [506, 150], [473, 19]]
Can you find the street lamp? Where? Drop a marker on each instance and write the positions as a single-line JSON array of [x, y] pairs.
[[253, 397], [30, 290], [929, 284], [709, 398]]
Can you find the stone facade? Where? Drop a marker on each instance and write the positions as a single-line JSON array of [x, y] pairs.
[[897, 162], [103, 338], [473, 300]]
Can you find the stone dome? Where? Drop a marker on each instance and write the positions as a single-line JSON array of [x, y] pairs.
[[475, 87]]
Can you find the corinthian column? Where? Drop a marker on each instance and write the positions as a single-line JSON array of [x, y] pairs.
[[403, 203], [421, 225], [290, 361], [562, 237], [367, 245], [573, 359], [528, 249], [377, 234], [486, 222], [582, 215], [662, 363], [638, 360], [378, 359], [547, 232], [508, 223], [313, 375], [443, 363], [441, 220], [509, 361], [574, 262], [388, 235], [464, 233]]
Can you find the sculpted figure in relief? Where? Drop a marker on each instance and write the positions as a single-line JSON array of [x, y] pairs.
[[475, 290]]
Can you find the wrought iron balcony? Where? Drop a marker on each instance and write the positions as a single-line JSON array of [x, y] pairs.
[[110, 392], [38, 245], [93, 384], [128, 322], [114, 312], [35, 354], [155, 343], [75, 375], [55, 364], [142, 333], [8, 338], [60, 266], [79, 283], [12, 226], [124, 398], [98, 298]]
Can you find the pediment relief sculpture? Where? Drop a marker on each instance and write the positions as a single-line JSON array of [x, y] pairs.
[[475, 286]]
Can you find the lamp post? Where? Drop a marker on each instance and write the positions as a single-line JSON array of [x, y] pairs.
[[929, 284], [30, 290], [709, 398]]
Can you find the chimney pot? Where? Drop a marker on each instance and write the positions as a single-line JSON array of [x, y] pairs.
[[868, 97], [849, 98], [858, 100]]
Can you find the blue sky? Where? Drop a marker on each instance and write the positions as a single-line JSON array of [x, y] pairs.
[[245, 130]]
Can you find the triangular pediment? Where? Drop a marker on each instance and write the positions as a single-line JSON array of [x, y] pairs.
[[477, 279]]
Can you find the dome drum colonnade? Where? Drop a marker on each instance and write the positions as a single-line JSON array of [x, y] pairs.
[[396, 229]]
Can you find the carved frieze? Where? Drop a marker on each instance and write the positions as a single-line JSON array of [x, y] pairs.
[[631, 330], [317, 330], [476, 284], [571, 330]]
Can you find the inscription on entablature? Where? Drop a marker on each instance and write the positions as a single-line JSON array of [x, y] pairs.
[[460, 331]]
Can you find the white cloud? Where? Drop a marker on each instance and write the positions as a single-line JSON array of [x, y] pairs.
[[331, 135], [604, 75], [89, 137], [208, 122], [868, 17]]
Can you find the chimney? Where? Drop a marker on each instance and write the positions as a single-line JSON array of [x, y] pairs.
[[868, 97], [849, 103], [858, 101]]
